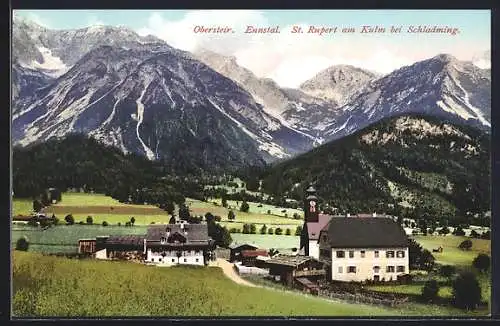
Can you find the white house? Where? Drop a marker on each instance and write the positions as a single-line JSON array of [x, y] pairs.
[[364, 248], [358, 247], [178, 244]]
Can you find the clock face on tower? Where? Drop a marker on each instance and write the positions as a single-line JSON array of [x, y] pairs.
[[312, 206]]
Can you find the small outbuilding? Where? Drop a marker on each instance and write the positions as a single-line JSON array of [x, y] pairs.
[[288, 268], [249, 257], [236, 249]]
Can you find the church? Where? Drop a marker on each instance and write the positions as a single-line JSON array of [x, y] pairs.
[[354, 247]]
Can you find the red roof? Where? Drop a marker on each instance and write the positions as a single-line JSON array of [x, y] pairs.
[[253, 253], [314, 228]]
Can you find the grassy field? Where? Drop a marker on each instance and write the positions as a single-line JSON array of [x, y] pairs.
[[257, 216], [280, 242], [22, 206], [60, 287], [103, 208], [53, 286], [66, 237], [451, 254]]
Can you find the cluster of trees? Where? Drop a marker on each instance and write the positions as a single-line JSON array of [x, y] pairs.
[[420, 258]]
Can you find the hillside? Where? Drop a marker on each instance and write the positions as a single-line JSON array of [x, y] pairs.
[[411, 160], [62, 287], [75, 161], [46, 286]]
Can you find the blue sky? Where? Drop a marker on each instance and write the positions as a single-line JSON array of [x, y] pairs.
[[275, 55]]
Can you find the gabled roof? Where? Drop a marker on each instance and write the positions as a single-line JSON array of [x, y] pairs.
[[195, 233], [292, 261], [314, 228], [242, 245], [369, 232], [254, 253]]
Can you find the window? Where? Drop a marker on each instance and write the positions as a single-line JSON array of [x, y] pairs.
[[152, 259], [351, 254], [389, 254], [197, 259], [362, 254], [173, 260], [185, 260], [340, 254], [340, 269], [160, 259], [400, 269], [376, 269], [376, 253], [390, 269], [351, 269], [400, 254]]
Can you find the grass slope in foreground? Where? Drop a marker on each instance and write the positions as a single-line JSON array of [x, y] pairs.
[[59, 287]]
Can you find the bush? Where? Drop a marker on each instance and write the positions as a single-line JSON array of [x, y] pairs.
[[132, 220], [104, 223], [270, 231], [22, 244], [288, 232], [444, 231], [70, 220], [298, 230], [296, 216], [278, 231], [90, 220], [474, 234], [466, 291], [230, 215], [81, 223], [244, 207], [447, 270], [119, 224], [217, 218], [465, 245], [263, 229], [481, 262], [486, 235], [458, 232], [253, 229], [269, 212]]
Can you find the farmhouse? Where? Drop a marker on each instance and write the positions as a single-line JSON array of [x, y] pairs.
[[163, 245], [178, 244], [355, 248]]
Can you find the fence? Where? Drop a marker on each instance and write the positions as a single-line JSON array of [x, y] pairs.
[[361, 298]]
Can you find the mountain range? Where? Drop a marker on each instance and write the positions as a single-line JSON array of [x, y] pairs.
[[413, 161], [204, 110]]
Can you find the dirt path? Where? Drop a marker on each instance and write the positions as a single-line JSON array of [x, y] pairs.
[[229, 271]]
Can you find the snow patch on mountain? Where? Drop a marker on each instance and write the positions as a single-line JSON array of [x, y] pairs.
[[140, 117], [50, 62]]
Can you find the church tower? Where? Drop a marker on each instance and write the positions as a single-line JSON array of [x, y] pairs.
[[311, 208]]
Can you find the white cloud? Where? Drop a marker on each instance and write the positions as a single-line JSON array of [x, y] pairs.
[[93, 21], [288, 58], [180, 34], [38, 20]]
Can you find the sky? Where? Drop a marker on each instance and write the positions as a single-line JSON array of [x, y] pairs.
[[288, 58]]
